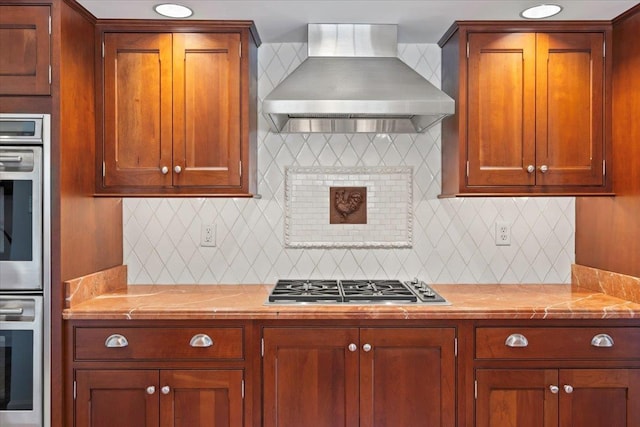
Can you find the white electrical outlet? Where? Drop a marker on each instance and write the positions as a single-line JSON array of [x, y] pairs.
[[208, 235], [503, 233]]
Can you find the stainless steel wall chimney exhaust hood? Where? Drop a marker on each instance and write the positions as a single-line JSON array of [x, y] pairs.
[[353, 82]]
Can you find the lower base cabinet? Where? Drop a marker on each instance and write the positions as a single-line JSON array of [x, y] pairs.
[[558, 397], [152, 398], [333, 377]]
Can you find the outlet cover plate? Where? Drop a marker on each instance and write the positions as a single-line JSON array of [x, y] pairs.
[[503, 233]]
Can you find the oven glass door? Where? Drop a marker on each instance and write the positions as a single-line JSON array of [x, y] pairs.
[[21, 360], [20, 218]]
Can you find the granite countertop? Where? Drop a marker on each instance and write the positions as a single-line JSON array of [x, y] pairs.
[[593, 294], [248, 302]]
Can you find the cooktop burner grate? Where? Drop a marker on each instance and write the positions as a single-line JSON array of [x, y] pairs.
[[385, 290], [306, 291]]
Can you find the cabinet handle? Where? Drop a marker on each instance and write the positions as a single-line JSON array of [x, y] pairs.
[[554, 389], [366, 347], [352, 347], [602, 340], [531, 168], [177, 169], [201, 340], [568, 389], [164, 170], [544, 168], [151, 389], [116, 341], [516, 340], [165, 389]]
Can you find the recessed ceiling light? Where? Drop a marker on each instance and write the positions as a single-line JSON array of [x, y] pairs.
[[172, 10], [541, 11]]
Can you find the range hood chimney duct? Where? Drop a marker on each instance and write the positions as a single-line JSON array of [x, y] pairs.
[[353, 82]]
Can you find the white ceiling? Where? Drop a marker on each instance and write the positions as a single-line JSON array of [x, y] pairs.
[[419, 21]]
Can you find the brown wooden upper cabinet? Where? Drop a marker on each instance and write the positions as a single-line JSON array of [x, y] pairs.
[[532, 110], [178, 111], [25, 43]]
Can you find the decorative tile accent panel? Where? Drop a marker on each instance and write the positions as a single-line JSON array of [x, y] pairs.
[[607, 282], [453, 239], [307, 207]]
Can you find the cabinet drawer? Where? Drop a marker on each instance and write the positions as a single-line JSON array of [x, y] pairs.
[[158, 343], [555, 343]]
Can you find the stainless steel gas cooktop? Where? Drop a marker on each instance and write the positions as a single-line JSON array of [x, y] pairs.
[[354, 292]]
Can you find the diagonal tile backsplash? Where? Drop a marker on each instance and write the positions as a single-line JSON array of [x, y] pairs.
[[453, 239]]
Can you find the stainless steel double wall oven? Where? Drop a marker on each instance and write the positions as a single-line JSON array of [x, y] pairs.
[[24, 268]]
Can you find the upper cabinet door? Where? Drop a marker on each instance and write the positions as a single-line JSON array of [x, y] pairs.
[[26, 51], [570, 119], [502, 113], [137, 109], [207, 119]]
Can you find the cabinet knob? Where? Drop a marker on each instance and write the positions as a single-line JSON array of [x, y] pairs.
[[366, 347], [554, 389], [516, 340], [201, 340], [352, 347], [544, 168], [165, 389], [164, 170], [531, 168], [568, 389], [177, 169], [151, 389], [602, 340], [116, 341]]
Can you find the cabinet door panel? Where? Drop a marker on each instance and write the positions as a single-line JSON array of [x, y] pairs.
[[600, 398], [137, 109], [116, 398], [25, 47], [310, 377], [408, 378], [519, 398], [207, 109], [570, 119], [201, 398], [501, 112]]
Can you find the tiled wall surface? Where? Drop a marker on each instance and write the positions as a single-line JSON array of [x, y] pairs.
[[453, 239]]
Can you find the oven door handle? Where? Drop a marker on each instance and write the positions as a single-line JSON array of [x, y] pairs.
[[11, 311], [16, 159]]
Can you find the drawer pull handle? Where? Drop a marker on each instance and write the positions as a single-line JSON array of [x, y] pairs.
[[165, 389], [602, 340], [516, 340], [554, 389], [116, 341], [352, 347], [201, 340], [151, 389], [367, 347], [568, 389]]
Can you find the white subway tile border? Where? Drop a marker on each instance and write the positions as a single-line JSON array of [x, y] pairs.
[[389, 205]]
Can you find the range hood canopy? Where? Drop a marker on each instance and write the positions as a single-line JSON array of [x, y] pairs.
[[353, 82]]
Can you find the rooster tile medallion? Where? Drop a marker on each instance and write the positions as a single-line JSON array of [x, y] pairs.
[[347, 205]]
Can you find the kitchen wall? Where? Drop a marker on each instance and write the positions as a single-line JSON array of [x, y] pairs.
[[453, 239]]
